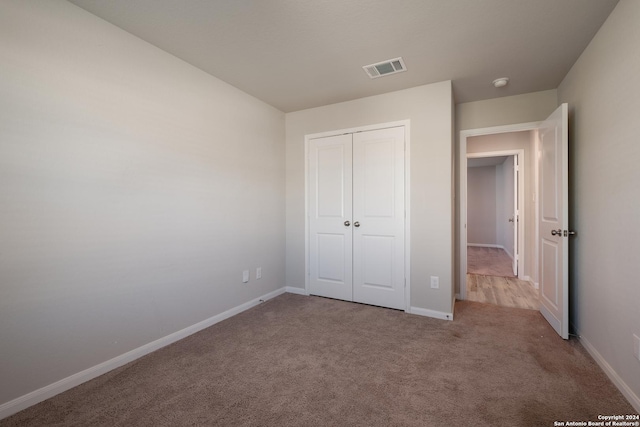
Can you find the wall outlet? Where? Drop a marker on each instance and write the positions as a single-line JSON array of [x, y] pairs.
[[259, 273], [245, 276], [636, 346], [435, 282]]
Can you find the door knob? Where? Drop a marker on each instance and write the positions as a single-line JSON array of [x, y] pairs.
[[356, 224], [511, 219], [557, 232], [347, 223]]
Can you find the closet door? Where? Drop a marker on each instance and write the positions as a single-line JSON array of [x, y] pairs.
[[378, 217], [330, 209]]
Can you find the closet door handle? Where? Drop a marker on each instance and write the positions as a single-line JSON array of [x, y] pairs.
[[356, 224], [347, 223]]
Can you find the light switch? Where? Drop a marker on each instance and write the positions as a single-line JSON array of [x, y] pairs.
[[245, 276]]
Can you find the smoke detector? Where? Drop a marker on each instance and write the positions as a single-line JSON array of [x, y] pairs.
[[385, 68], [501, 82]]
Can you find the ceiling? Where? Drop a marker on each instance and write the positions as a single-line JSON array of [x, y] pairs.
[[298, 54]]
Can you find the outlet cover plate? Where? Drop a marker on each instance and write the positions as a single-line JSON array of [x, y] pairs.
[[245, 276], [636, 346], [435, 282]]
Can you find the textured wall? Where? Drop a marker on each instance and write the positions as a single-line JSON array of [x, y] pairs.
[[134, 189], [603, 93]]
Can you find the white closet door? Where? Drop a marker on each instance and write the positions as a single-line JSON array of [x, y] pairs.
[[378, 217], [330, 208]]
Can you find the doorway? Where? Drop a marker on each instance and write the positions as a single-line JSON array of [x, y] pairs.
[[495, 238], [502, 160], [548, 196]]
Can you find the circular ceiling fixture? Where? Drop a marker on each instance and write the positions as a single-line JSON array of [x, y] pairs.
[[501, 82]]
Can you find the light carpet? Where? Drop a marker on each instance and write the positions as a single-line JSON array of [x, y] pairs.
[[310, 361]]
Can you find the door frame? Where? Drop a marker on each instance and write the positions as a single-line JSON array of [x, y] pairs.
[[407, 202], [462, 175]]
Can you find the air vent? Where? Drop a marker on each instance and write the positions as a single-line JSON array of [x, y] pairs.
[[385, 68]]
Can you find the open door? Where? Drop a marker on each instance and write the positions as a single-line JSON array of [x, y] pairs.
[[553, 220], [515, 219]]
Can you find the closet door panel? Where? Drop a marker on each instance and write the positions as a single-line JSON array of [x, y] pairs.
[[330, 209], [378, 217]]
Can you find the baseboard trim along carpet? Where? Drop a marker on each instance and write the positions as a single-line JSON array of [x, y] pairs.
[[431, 313], [626, 391], [298, 291], [9, 408], [16, 405]]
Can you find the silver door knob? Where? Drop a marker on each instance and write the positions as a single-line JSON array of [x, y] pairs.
[[511, 219], [356, 224], [347, 223], [556, 232]]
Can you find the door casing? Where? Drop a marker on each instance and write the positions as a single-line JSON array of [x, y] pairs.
[[407, 198]]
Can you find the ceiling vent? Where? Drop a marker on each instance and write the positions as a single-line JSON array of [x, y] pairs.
[[385, 68]]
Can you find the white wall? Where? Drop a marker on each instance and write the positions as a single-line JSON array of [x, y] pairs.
[[429, 108], [482, 205], [603, 92], [134, 188]]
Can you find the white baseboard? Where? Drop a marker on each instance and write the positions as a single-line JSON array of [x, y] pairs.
[[485, 245], [44, 393], [633, 398], [431, 313], [294, 290]]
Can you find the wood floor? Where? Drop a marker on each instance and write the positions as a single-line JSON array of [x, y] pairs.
[[503, 291]]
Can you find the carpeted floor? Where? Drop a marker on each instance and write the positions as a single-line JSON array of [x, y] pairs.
[[489, 261], [310, 361]]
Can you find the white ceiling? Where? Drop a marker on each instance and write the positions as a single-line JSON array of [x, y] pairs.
[[298, 54]]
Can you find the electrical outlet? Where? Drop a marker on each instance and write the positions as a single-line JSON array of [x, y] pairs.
[[259, 273], [636, 346], [245, 276], [435, 282]]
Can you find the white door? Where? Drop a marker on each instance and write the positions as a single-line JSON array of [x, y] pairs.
[[356, 217], [516, 214], [378, 214], [553, 221], [330, 201]]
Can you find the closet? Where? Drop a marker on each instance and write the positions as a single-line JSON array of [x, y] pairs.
[[356, 217]]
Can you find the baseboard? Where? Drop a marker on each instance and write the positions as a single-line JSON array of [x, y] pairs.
[[16, 405], [633, 398], [483, 245], [431, 313], [294, 290]]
